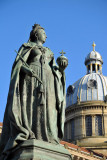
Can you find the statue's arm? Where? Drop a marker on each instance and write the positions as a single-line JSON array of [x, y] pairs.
[[26, 70]]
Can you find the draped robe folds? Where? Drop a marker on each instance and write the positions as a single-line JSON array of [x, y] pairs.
[[24, 117]]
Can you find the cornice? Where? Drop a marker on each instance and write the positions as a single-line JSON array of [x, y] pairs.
[[91, 104]]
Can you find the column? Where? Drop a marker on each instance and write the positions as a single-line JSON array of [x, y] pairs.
[[100, 68], [96, 67], [83, 126], [105, 125], [93, 125], [90, 68]]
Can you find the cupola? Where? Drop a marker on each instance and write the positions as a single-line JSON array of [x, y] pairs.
[[94, 61], [86, 107]]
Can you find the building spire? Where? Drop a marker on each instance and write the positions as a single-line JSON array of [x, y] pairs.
[[93, 46]]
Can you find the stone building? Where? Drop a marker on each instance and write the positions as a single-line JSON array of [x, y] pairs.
[[86, 110], [81, 153]]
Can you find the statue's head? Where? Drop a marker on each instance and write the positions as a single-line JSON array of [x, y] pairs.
[[37, 33]]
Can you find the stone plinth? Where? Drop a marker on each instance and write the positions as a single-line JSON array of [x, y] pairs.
[[39, 150]]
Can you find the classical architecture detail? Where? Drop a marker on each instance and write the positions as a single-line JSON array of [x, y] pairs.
[[105, 98], [86, 108], [70, 89], [92, 83], [81, 153]]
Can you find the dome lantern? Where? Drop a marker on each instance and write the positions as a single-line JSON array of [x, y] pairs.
[[94, 61]]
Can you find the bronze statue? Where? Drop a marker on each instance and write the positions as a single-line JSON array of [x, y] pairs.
[[36, 100]]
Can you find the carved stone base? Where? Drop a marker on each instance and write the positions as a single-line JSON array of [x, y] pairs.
[[39, 150]]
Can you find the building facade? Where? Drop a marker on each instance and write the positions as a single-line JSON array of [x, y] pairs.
[[86, 110]]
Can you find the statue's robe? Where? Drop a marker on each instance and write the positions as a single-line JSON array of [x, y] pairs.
[[25, 118]]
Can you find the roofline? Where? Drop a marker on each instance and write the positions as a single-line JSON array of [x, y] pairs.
[[86, 104], [90, 59]]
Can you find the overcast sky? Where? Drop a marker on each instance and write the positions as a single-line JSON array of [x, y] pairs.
[[70, 25]]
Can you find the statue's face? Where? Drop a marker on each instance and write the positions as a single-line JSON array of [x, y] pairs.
[[41, 35]]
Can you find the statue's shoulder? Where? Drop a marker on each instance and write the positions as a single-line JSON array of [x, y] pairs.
[[28, 44], [23, 50], [48, 49]]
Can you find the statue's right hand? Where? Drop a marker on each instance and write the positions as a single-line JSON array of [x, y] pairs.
[[27, 70], [31, 72]]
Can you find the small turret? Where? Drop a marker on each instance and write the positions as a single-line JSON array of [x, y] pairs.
[[94, 61]]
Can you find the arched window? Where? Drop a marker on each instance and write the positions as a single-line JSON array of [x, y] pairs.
[[88, 123], [98, 125]]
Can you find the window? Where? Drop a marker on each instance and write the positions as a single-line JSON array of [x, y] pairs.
[[92, 83], [98, 125], [88, 125]]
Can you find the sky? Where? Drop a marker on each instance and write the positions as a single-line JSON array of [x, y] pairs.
[[70, 25]]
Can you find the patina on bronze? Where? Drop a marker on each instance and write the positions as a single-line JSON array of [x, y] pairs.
[[35, 107]]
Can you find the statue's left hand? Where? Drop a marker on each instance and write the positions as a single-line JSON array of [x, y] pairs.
[[62, 63]]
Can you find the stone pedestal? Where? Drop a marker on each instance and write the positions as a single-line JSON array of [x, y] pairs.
[[39, 150]]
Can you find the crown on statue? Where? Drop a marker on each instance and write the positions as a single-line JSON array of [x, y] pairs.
[[36, 26]]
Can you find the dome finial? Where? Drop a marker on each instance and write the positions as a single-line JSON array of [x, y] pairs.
[[93, 46]]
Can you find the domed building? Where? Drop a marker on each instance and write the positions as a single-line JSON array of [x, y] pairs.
[[86, 109]]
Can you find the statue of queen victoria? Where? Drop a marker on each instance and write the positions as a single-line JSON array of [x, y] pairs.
[[36, 99]]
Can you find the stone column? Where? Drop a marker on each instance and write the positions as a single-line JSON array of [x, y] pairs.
[[105, 125], [90, 68], [93, 125], [83, 126], [96, 67], [100, 68]]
